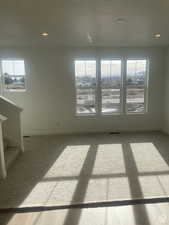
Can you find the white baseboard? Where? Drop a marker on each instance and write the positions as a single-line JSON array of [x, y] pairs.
[[36, 132]]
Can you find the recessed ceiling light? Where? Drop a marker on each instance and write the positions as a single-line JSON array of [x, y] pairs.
[[44, 34], [119, 20], [157, 36]]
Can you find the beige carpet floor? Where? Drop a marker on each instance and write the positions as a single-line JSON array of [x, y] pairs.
[[63, 170]]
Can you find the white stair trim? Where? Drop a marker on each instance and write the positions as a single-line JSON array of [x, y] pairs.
[[12, 130], [3, 172]]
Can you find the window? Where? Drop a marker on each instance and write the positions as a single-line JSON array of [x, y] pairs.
[[136, 85], [111, 86], [13, 72], [85, 72], [107, 88]]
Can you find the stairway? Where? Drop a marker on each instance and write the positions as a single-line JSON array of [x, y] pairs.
[[11, 138], [10, 152]]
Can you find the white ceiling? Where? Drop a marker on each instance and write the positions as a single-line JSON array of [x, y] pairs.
[[84, 22]]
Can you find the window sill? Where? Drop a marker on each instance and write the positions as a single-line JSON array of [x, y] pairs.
[[111, 114], [86, 114], [136, 113], [15, 90]]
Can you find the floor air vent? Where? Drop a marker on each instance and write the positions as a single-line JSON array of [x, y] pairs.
[[115, 132]]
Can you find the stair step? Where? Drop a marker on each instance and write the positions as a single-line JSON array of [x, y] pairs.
[[9, 142], [11, 154], [5, 143]]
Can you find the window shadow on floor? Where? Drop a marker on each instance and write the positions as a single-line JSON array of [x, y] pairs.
[[140, 215], [131, 172], [73, 216]]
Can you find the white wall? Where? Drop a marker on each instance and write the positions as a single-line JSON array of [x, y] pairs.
[[165, 125], [49, 102]]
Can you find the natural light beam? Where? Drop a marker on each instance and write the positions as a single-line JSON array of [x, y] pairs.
[[70, 162], [148, 158], [109, 160]]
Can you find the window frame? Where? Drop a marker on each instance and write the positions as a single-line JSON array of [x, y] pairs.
[[96, 88], [146, 86], [3, 88], [123, 86]]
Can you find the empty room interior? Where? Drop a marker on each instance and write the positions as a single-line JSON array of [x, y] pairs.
[[84, 112]]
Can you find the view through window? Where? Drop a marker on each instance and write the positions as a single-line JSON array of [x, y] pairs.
[[136, 84], [115, 91], [110, 85], [13, 72], [85, 86]]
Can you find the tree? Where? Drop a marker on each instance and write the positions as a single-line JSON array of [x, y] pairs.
[[129, 81], [8, 79]]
